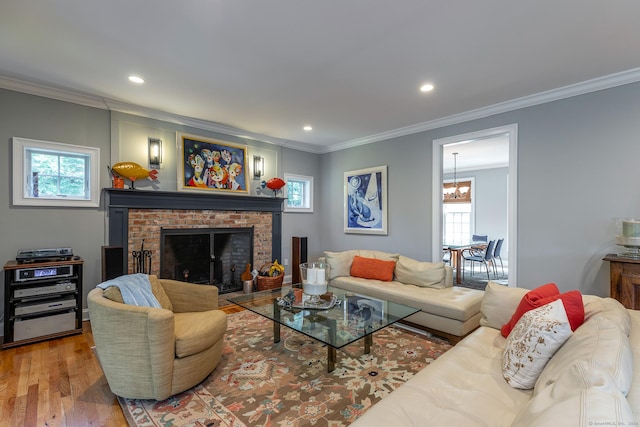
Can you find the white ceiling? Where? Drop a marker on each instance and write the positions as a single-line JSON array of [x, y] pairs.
[[351, 69], [476, 154]]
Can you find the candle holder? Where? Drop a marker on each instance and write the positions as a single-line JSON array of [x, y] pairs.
[[314, 280], [629, 237]]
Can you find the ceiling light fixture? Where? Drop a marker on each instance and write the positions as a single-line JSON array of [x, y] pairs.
[[136, 79], [426, 88], [307, 128], [452, 191]]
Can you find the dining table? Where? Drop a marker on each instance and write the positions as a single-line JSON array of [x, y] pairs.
[[456, 250]]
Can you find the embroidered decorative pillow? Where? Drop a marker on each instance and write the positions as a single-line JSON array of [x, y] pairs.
[[536, 337], [371, 268]]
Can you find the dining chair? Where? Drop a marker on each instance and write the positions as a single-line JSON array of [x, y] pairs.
[[485, 258], [446, 256], [496, 255], [479, 238], [475, 250]]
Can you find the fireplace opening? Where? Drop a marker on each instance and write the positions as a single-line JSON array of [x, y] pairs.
[[211, 256]]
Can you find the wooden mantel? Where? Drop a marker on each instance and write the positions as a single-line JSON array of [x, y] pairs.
[[119, 201]]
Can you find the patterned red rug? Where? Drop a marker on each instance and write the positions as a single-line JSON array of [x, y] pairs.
[[259, 383]]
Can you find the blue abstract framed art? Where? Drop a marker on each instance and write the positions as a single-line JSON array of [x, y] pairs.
[[365, 201]]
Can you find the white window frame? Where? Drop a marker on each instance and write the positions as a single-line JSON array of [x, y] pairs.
[[308, 193], [22, 182]]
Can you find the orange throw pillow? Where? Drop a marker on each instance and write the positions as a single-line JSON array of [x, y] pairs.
[[371, 268], [544, 295]]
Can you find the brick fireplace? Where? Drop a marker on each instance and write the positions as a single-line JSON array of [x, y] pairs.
[[134, 215]]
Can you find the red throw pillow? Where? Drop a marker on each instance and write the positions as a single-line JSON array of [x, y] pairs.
[[573, 305], [528, 302], [371, 268], [571, 300]]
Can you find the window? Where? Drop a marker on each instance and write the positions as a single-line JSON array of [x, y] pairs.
[[299, 193], [54, 174], [457, 223]]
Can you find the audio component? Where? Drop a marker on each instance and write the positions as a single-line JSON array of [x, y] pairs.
[[42, 326], [45, 306], [298, 256], [53, 254], [45, 272], [64, 286], [42, 299]]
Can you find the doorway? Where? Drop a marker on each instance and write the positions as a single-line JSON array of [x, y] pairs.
[[510, 132]]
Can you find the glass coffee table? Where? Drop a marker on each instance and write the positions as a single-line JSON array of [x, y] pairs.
[[352, 317]]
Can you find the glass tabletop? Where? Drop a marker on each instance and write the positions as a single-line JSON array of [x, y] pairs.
[[458, 245], [354, 316]]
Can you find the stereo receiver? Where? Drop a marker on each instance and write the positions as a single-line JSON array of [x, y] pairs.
[[37, 273]]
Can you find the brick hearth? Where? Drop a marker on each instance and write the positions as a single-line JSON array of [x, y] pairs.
[[134, 215], [146, 224]]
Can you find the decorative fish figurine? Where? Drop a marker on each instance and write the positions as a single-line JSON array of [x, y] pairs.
[[274, 184], [133, 171]]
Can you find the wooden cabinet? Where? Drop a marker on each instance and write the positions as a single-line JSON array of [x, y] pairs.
[[42, 300], [625, 280]]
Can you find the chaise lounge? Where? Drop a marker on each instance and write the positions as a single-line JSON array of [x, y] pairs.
[[446, 310]]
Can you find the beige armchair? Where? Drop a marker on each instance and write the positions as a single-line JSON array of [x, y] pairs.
[[154, 353]]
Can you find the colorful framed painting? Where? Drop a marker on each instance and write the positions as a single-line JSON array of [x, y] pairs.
[[210, 165], [365, 201]]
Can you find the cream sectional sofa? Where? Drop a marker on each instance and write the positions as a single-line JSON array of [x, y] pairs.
[[446, 310], [593, 379]]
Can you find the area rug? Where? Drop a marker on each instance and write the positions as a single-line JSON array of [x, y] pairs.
[[259, 383]]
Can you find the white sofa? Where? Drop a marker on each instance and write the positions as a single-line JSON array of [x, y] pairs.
[[593, 379], [446, 310]]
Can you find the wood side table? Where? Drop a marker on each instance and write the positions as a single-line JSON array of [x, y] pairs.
[[625, 280]]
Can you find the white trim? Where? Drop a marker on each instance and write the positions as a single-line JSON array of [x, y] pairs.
[[20, 145], [436, 222], [309, 193], [600, 83]]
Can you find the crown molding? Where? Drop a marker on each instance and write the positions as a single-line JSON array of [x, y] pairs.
[[136, 110], [53, 93], [109, 104], [600, 83]]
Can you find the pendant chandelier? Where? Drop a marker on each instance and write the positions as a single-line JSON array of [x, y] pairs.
[[456, 192]]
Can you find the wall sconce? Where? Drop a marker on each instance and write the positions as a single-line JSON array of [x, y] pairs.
[[155, 152], [258, 167]]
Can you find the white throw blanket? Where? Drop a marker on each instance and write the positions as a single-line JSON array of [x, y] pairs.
[[135, 289]]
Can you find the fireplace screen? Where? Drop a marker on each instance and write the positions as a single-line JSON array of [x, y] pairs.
[[213, 256]]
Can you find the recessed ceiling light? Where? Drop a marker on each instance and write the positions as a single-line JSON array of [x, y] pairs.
[[426, 88], [307, 128], [136, 79]]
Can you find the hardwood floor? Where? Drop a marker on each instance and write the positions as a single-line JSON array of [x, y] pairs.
[[58, 383]]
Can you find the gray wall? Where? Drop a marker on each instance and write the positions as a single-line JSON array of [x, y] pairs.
[[302, 224], [129, 142], [27, 227], [491, 204], [577, 162]]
